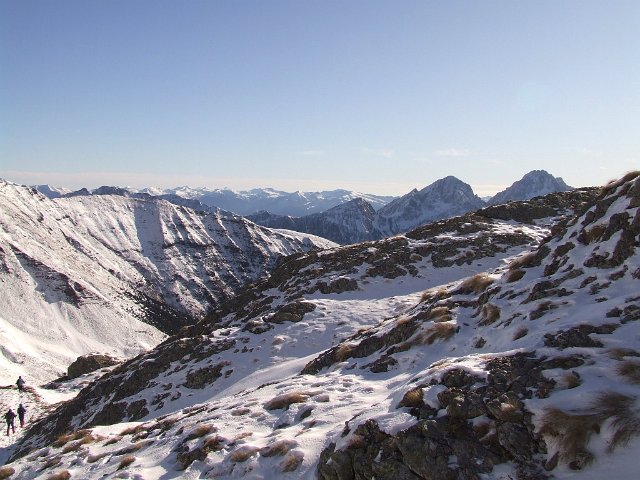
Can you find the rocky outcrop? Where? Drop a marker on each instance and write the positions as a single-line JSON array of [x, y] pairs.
[[90, 363]]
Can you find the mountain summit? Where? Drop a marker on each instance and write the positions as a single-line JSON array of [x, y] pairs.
[[534, 184], [444, 198]]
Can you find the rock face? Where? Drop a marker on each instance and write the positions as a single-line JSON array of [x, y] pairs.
[[90, 363], [534, 184]]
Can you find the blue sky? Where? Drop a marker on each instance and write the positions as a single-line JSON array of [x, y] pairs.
[[375, 96]]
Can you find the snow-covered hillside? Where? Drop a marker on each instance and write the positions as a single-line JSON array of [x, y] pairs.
[[534, 184], [224, 399], [110, 273]]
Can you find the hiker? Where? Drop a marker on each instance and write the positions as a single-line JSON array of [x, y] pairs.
[[9, 416], [21, 412], [20, 384]]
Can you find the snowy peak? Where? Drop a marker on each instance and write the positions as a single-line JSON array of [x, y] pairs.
[[533, 184], [444, 198]]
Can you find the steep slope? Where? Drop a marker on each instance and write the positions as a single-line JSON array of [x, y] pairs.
[[534, 184], [444, 198], [111, 273], [350, 222]]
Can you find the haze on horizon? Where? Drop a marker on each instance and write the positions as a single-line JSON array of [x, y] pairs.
[[374, 96]]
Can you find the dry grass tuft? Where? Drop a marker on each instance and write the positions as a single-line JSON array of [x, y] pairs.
[[434, 294], [62, 440], [413, 398], [570, 380], [573, 431], [630, 370], [243, 453], [523, 261], [51, 462], [343, 352], [489, 314], [439, 331], [521, 332], [620, 353], [93, 458], [133, 430], [278, 448], [126, 461], [201, 431], [440, 314], [61, 475], [476, 284], [6, 472], [134, 447], [112, 440], [286, 399], [514, 275], [214, 443], [625, 418], [291, 461]]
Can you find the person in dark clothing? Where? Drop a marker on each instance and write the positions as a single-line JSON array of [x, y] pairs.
[[20, 384], [9, 417], [21, 413]]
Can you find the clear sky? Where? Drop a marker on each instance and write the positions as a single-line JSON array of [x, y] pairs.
[[376, 96]]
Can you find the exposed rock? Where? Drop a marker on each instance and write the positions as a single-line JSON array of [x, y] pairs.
[[90, 363]]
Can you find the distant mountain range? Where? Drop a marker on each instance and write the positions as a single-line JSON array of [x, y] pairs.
[[356, 221], [275, 201], [340, 215]]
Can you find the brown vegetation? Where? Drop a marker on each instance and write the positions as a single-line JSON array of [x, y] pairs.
[[201, 431], [522, 332], [523, 261], [286, 399], [61, 475], [489, 314], [126, 461], [413, 398], [630, 370], [278, 448], [514, 275], [291, 461], [440, 314], [476, 284], [62, 440], [572, 431], [439, 331], [6, 472], [243, 453]]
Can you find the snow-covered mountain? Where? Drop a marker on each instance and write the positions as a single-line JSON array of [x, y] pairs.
[[534, 184], [444, 198], [295, 204], [115, 274], [350, 222], [457, 350]]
